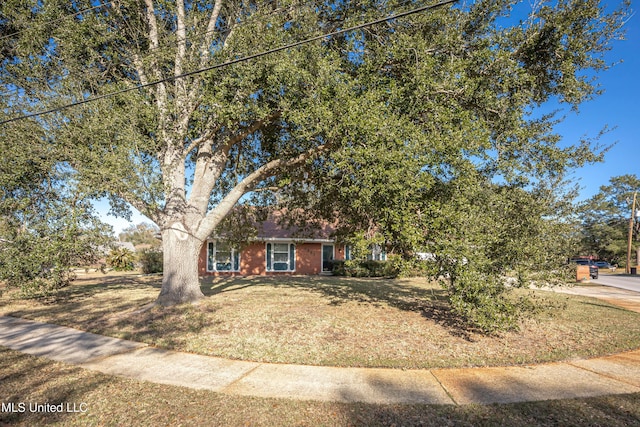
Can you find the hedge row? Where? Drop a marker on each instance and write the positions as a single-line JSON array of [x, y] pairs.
[[364, 269]]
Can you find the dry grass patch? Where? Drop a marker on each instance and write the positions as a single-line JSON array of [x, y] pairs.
[[333, 321]]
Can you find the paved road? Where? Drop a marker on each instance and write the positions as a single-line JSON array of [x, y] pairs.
[[630, 283]]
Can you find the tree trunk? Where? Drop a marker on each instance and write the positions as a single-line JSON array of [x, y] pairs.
[[180, 282]]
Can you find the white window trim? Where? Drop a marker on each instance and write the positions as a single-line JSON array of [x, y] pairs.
[[376, 251], [213, 269], [371, 255], [379, 252], [272, 261]]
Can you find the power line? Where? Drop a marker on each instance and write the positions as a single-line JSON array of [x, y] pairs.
[[234, 61], [166, 45], [193, 37], [227, 28]]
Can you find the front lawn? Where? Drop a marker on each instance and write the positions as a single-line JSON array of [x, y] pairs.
[[403, 323]]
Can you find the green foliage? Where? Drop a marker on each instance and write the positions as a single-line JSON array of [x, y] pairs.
[[150, 261], [480, 299], [121, 259], [40, 250], [366, 268], [394, 266], [141, 234], [605, 219], [412, 266], [496, 238]]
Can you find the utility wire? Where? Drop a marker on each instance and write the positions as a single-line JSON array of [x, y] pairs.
[[234, 61], [199, 36], [193, 38], [165, 46]]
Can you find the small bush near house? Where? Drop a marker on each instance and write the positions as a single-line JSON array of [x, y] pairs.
[[47, 285], [367, 268], [150, 261], [394, 266], [121, 259], [412, 267]]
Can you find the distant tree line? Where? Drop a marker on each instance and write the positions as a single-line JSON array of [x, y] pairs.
[[604, 220]]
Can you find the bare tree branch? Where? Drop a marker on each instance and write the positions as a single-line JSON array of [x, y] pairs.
[[181, 50], [161, 90], [205, 47]]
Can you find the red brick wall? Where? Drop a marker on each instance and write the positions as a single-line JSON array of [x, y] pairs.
[[309, 258], [252, 260]]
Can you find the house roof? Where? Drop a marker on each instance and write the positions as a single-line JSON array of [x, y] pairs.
[[283, 225], [125, 245], [279, 226]]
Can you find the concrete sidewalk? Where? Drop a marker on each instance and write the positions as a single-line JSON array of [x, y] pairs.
[[616, 296], [580, 378]]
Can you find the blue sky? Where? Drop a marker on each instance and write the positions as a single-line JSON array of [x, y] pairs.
[[618, 108]]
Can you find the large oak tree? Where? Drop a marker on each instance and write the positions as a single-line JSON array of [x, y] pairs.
[[449, 92]]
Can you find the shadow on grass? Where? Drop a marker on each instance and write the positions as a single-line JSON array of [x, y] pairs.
[[427, 299], [611, 411], [95, 304], [27, 381], [119, 314], [604, 305], [85, 287], [218, 286]]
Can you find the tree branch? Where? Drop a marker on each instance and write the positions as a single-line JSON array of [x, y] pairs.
[[161, 90], [181, 50], [205, 47], [218, 163], [137, 62], [267, 170]]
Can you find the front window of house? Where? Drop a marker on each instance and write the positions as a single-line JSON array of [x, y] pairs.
[[377, 253], [222, 257], [281, 257]]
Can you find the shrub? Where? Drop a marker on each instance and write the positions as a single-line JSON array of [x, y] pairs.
[[353, 268], [46, 285], [482, 300], [150, 261], [121, 259], [412, 267]]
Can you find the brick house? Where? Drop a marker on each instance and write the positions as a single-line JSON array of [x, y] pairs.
[[276, 250]]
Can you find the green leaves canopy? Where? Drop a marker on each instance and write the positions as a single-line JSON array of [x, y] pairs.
[[422, 128]]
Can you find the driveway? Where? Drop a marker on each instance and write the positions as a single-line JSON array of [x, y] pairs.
[[630, 283]]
